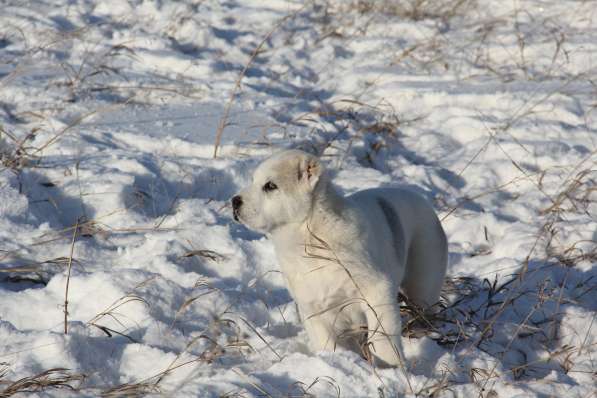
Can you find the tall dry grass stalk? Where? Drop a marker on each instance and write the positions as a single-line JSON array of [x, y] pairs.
[[224, 119], [68, 271]]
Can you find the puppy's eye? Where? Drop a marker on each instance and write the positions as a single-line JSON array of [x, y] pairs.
[[269, 186]]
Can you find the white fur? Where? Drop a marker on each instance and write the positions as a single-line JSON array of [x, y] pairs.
[[344, 258]]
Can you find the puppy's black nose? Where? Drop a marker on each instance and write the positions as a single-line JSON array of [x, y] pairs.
[[237, 201]]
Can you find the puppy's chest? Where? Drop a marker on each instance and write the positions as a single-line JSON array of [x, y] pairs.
[[319, 285]]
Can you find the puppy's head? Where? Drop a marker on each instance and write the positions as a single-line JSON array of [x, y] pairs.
[[281, 191]]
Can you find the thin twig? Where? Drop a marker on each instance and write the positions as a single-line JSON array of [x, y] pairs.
[[261, 337], [70, 263], [224, 120]]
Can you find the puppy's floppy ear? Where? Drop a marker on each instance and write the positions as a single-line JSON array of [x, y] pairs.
[[309, 170]]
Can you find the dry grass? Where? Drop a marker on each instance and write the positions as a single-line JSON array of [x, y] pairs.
[[258, 49], [68, 270], [16, 153], [38, 272], [415, 10], [79, 79], [472, 309], [131, 390], [112, 312], [46, 381]]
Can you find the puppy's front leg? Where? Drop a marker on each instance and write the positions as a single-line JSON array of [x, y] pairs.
[[321, 336], [384, 333]]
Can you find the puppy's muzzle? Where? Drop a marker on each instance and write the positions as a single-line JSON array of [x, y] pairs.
[[237, 202]]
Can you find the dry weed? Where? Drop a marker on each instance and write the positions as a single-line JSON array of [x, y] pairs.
[[56, 378]]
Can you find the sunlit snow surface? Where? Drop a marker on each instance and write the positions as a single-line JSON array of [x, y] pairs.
[[109, 113]]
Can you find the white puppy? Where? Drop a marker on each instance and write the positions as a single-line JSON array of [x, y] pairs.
[[344, 258]]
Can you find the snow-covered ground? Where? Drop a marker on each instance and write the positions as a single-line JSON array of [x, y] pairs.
[[109, 112]]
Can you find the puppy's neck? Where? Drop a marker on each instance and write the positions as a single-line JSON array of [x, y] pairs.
[[327, 206], [325, 215]]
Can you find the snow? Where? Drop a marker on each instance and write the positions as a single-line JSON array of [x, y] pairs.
[[108, 118]]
